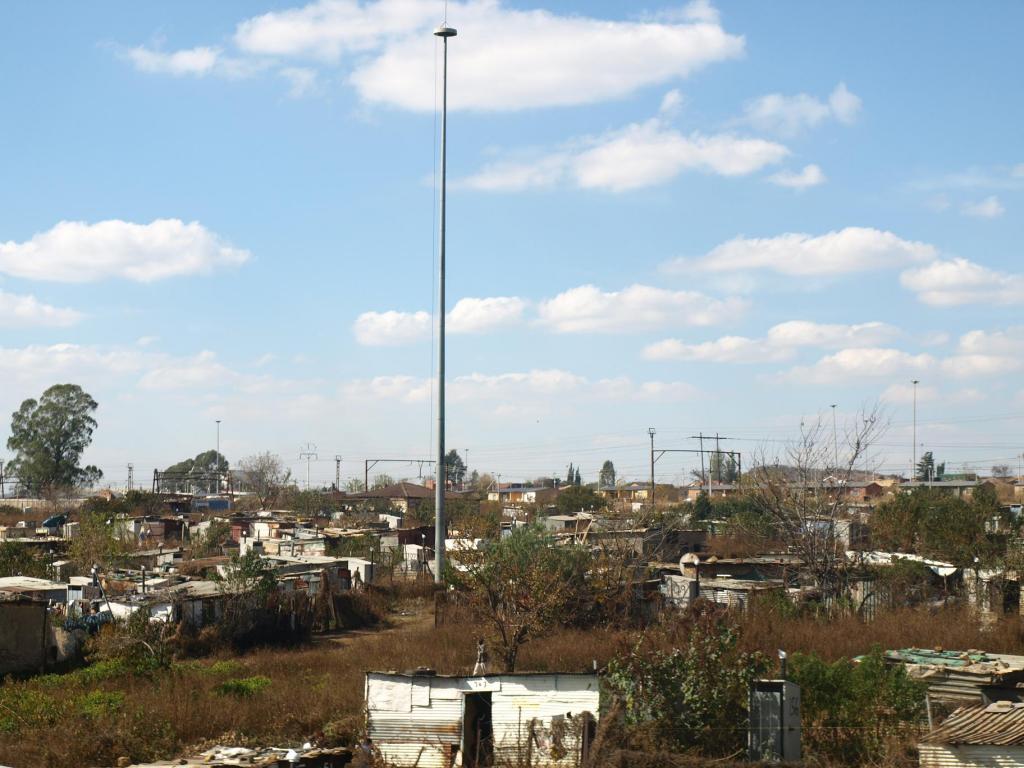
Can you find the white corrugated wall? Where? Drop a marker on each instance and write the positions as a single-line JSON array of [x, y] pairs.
[[970, 756], [415, 721]]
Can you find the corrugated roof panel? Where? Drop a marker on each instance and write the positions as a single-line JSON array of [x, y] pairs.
[[997, 724]]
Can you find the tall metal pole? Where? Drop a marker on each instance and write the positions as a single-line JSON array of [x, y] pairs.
[[835, 438], [217, 458], [441, 475], [650, 431], [913, 461]]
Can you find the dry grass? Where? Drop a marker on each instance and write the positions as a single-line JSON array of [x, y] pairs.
[[95, 715]]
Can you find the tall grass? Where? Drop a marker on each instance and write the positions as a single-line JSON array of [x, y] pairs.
[[103, 712]]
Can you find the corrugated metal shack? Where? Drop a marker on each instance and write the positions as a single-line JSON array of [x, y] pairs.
[[427, 720], [964, 677], [977, 737]]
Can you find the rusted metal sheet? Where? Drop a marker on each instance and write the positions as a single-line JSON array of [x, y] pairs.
[[999, 724]]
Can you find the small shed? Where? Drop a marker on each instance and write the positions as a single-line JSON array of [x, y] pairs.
[[977, 737], [427, 720]]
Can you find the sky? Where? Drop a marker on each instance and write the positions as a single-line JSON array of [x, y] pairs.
[[694, 217]]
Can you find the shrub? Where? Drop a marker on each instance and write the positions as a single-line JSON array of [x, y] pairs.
[[244, 687], [852, 711]]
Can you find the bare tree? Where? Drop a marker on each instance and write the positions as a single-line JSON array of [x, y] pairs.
[[265, 475], [805, 492]]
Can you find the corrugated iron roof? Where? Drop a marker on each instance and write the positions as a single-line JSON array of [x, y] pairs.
[[1000, 724]]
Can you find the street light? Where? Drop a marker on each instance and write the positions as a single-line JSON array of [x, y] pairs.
[[444, 32], [913, 463]]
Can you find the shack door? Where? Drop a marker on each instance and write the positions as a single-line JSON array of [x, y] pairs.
[[477, 731]]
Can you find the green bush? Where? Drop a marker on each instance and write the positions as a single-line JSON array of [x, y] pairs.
[[852, 710], [244, 687]]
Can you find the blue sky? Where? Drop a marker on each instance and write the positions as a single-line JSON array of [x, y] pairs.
[[697, 217]]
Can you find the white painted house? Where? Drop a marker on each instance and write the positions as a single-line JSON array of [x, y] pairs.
[[434, 721]]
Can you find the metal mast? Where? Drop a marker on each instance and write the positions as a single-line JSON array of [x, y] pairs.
[[441, 475]]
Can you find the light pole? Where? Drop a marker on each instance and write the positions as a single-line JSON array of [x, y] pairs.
[[444, 32], [913, 460], [835, 438]]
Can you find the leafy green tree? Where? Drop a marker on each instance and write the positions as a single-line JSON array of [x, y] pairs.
[[703, 509], [199, 473], [852, 711], [926, 467], [606, 477], [355, 486], [722, 468], [523, 586], [455, 468], [49, 436], [570, 476], [691, 696], [16, 559], [577, 498], [101, 538], [577, 481]]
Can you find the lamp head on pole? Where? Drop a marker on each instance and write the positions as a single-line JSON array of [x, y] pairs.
[[444, 31]]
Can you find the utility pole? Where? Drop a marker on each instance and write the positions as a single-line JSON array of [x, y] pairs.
[[913, 460], [337, 473], [3, 493], [650, 431], [308, 453], [444, 32], [131, 471], [835, 439], [465, 470]]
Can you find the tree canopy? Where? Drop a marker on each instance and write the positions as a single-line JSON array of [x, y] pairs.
[[49, 436], [523, 587], [606, 477]]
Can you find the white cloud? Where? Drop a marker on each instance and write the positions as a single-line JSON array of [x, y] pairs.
[[989, 208], [481, 315], [853, 249], [728, 349], [987, 353], [858, 363], [640, 155], [469, 315], [1008, 342], [18, 311], [845, 106], [588, 309], [958, 281], [789, 115], [803, 333], [780, 343], [192, 61], [202, 370], [904, 393], [651, 153], [302, 80], [810, 176], [970, 366], [77, 252], [671, 103], [557, 59], [391, 328], [520, 390]]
